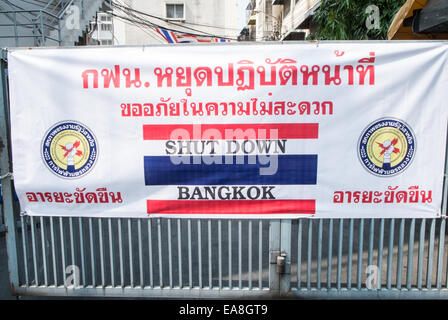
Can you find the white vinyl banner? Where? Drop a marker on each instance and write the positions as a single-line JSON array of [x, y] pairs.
[[324, 130]]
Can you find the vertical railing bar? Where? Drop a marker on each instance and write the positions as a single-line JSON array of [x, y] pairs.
[[140, 252], [179, 249], [371, 236], [400, 253], [100, 235], [390, 253], [430, 254], [210, 276], [33, 243], [190, 271], [92, 254], [170, 258], [120, 252], [199, 254], [111, 253], [159, 244], [310, 250], [151, 270], [240, 255], [72, 242], [410, 255], [299, 254], [131, 253], [330, 253], [360, 253], [338, 279], [61, 230], [421, 248], [319, 254], [81, 248], [380, 252], [350, 255], [440, 254], [219, 255], [249, 268], [260, 254], [421, 251], [44, 251], [24, 249], [230, 252]]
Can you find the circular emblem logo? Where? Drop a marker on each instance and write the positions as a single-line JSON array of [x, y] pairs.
[[386, 147], [69, 149]]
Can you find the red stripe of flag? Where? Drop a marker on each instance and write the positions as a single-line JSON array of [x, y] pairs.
[[196, 132], [231, 206]]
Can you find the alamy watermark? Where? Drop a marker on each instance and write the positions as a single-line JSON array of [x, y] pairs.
[[373, 18]]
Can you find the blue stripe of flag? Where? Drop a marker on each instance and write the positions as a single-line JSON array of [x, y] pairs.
[[292, 169]]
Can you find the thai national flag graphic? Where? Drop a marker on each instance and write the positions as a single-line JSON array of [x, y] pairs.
[[225, 174]]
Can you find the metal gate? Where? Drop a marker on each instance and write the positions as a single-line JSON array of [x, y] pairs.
[[197, 258]]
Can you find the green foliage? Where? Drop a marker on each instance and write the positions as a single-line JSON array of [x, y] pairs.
[[346, 19]]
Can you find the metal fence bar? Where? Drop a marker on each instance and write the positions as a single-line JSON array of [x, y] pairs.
[[390, 254], [260, 255], [120, 252], [299, 253], [410, 255], [230, 252], [111, 253], [240, 255], [170, 259], [309, 250], [400, 254], [199, 254], [249, 263], [380, 253], [159, 243], [33, 242], [210, 275], [360, 252], [62, 235], [151, 270], [24, 249], [44, 251], [319, 254], [440, 254], [339, 260], [140, 252], [179, 249], [330, 252], [100, 241], [430, 254], [81, 248], [421, 248], [350, 254], [219, 254], [190, 267]]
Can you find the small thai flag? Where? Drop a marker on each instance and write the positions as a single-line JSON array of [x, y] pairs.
[[179, 37], [169, 174]]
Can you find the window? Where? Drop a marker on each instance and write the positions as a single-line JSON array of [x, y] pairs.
[[106, 27], [175, 11], [107, 42]]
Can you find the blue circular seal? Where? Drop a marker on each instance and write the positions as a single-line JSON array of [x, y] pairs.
[[69, 149], [386, 147]]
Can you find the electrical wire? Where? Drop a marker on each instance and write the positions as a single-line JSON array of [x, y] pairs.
[[136, 14]]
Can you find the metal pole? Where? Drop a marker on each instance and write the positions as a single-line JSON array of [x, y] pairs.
[[7, 186]]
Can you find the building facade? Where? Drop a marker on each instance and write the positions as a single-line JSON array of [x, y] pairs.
[[270, 20], [137, 22]]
